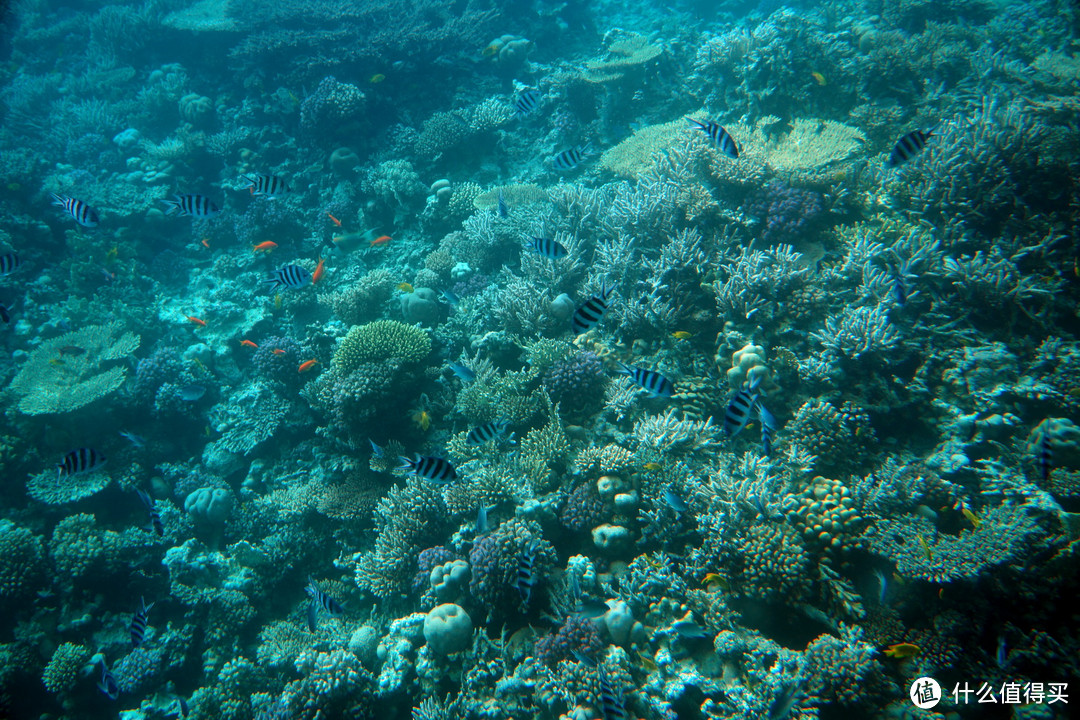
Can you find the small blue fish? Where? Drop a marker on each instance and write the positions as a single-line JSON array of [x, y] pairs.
[[155, 517], [718, 135], [690, 630], [571, 158], [108, 684], [675, 502], [435, 469], [196, 206], [589, 314], [464, 374], [139, 623], [883, 585], [192, 392], [649, 380], [482, 524], [908, 147], [376, 450], [451, 299], [527, 102], [289, 276], [1002, 654], [79, 211], [591, 609], [548, 247], [136, 440]]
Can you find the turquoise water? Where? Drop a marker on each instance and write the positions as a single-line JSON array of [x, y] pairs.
[[732, 348]]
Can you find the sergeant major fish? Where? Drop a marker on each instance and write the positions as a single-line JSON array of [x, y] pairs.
[[572, 157], [196, 206], [77, 462], [908, 147], [431, 468], [527, 102], [269, 186], [139, 623], [77, 209], [9, 263], [548, 247], [721, 137], [155, 517], [323, 600], [289, 276], [525, 572], [743, 406], [649, 380], [107, 684], [589, 314], [484, 433]]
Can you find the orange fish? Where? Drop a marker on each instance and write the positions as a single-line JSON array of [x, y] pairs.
[[278, 351], [405, 287], [319, 272], [306, 365], [336, 221], [902, 650], [197, 321], [206, 242], [265, 246], [248, 343], [381, 240]]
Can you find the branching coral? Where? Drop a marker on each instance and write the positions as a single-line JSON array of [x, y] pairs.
[[381, 340], [57, 379]]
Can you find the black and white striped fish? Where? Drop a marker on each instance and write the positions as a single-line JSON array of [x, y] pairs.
[[80, 461], [742, 407], [766, 438], [486, 432], [107, 684], [80, 211], [527, 102], [908, 147], [197, 206], [323, 600], [501, 207], [270, 186], [548, 247], [430, 468], [155, 517], [572, 157], [718, 135], [139, 623], [1046, 455], [289, 276], [9, 263], [651, 381], [525, 575], [589, 314], [611, 703]]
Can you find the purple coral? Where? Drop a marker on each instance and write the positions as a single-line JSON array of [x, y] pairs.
[[577, 383], [279, 367], [577, 636], [332, 110], [787, 214], [153, 372], [427, 561], [584, 509]]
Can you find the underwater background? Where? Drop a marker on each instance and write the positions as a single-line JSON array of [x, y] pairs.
[[536, 359]]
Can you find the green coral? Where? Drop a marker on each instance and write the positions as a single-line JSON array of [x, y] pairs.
[[57, 378], [21, 555], [65, 666], [381, 340]]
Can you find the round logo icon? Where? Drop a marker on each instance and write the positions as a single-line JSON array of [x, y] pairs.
[[925, 693]]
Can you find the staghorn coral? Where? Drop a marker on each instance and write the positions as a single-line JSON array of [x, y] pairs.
[[381, 340], [668, 433], [248, 417], [55, 382]]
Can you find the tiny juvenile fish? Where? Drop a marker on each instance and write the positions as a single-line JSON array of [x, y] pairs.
[[136, 440], [673, 501], [323, 600], [139, 623], [572, 157], [721, 137], [451, 299], [107, 684], [196, 206], [155, 517], [486, 432], [548, 247], [77, 462], [902, 650], [9, 263], [525, 577], [269, 186], [77, 209], [527, 102], [435, 469], [464, 374], [908, 147], [649, 380], [289, 276], [589, 314]]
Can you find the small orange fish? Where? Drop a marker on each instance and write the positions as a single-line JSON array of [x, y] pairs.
[[206, 242], [902, 650], [277, 301], [307, 365], [381, 240], [377, 78], [653, 466], [198, 321], [265, 246], [278, 351], [681, 335], [405, 287], [248, 343], [422, 419], [818, 78], [320, 270], [336, 221]]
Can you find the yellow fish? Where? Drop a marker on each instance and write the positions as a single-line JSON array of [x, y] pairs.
[[405, 287], [377, 78], [902, 650], [113, 253], [653, 466], [422, 419], [647, 662], [925, 547], [712, 579], [819, 78], [972, 517], [681, 335], [277, 301]]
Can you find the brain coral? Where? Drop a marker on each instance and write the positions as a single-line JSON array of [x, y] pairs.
[[381, 340]]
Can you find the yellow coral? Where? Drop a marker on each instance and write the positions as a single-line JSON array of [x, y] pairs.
[[635, 155], [67, 372], [381, 340], [629, 52]]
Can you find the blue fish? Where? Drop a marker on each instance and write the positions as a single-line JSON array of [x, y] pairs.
[[464, 374], [136, 440], [482, 524], [718, 135], [451, 299], [376, 450], [675, 502], [289, 276], [192, 392], [108, 684], [155, 517]]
